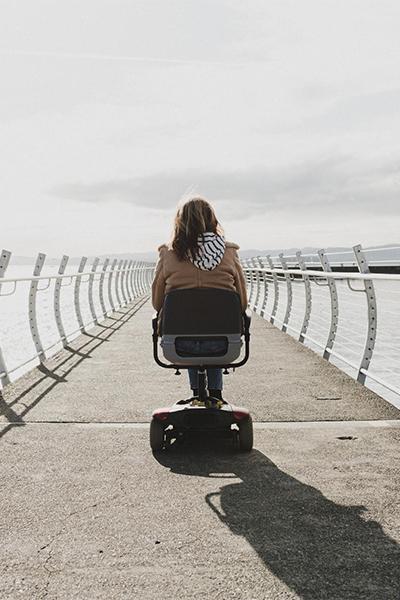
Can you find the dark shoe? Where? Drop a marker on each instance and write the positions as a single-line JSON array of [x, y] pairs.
[[193, 397], [215, 394]]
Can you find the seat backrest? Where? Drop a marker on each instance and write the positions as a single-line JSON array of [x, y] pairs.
[[202, 311]]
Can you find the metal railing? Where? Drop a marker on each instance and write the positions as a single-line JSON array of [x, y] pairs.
[[321, 308], [97, 290]]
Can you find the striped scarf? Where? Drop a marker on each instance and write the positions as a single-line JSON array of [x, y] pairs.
[[210, 252]]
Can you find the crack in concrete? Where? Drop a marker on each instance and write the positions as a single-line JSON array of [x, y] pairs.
[[46, 563], [47, 560]]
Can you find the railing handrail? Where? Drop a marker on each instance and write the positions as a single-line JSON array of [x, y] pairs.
[[327, 275], [336, 252], [68, 276]]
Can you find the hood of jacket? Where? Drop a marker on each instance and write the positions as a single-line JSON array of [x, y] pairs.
[[210, 251]]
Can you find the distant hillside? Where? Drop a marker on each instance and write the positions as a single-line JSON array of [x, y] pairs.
[[74, 260], [339, 254], [379, 253], [286, 251]]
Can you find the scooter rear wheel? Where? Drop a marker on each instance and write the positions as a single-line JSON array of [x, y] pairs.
[[246, 435], [157, 435]]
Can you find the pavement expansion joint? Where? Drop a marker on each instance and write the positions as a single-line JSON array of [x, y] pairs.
[[382, 423]]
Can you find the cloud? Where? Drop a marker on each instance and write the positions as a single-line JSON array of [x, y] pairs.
[[333, 183], [121, 58], [360, 112]]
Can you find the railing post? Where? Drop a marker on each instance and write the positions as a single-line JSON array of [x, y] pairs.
[[248, 273], [145, 289], [133, 279], [138, 274], [77, 302], [57, 294], [256, 265], [4, 261], [146, 277], [110, 277], [32, 307], [249, 264], [372, 314], [128, 281], [90, 290], [123, 279], [334, 305], [141, 283], [289, 293], [265, 283], [118, 275], [308, 297], [276, 289], [101, 287]]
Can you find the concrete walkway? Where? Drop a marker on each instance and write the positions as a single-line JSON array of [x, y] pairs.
[[87, 512]]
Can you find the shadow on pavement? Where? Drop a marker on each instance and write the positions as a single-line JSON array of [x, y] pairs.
[[318, 548]]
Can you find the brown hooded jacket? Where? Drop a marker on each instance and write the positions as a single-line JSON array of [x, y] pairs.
[[172, 273]]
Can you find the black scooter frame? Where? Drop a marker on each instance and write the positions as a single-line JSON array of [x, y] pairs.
[[202, 368]]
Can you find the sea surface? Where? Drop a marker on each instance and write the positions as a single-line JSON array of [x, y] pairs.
[[18, 348], [15, 336]]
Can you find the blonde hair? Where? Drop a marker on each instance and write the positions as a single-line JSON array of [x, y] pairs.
[[194, 217]]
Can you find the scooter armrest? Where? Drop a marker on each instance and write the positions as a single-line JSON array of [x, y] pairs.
[[154, 322], [246, 321]]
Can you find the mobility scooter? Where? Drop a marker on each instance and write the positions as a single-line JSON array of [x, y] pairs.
[[199, 315]]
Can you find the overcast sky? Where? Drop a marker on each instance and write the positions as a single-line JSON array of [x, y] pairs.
[[285, 114]]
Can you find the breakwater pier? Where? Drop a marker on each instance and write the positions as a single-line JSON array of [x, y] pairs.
[[88, 512]]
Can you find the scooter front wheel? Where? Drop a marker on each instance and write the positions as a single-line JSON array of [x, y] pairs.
[[246, 435], [157, 435]]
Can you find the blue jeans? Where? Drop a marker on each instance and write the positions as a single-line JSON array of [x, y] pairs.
[[202, 348], [214, 379]]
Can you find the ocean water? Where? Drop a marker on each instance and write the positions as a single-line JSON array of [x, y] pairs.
[[15, 336], [18, 348]]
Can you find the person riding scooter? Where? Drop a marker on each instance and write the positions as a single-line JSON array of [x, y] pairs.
[[198, 256]]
